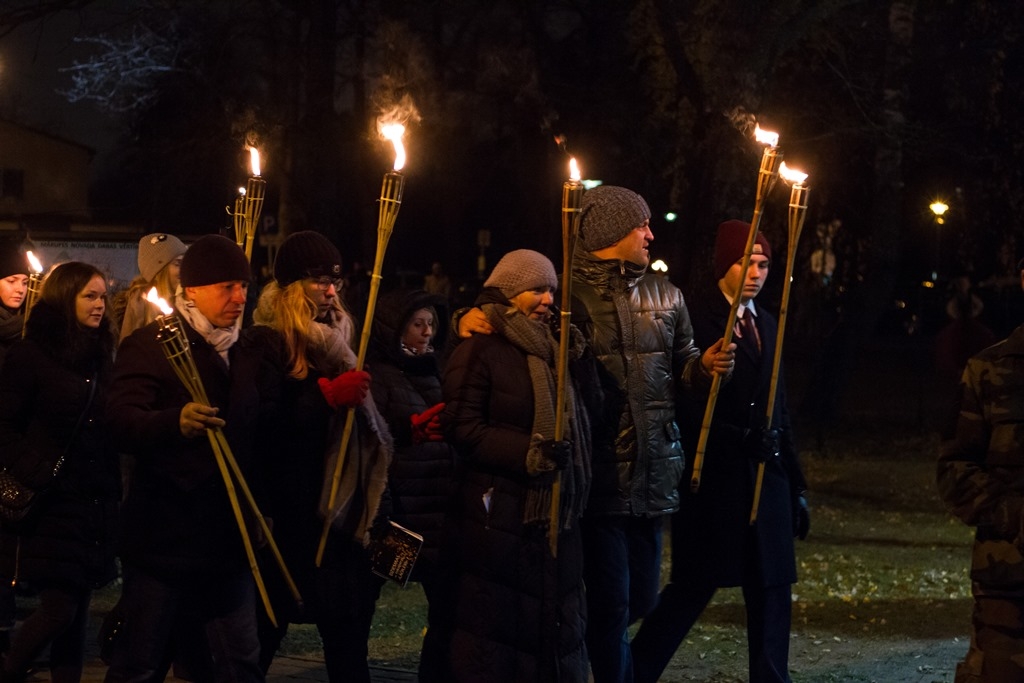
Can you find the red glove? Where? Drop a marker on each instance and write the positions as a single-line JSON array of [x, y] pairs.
[[427, 425], [349, 389]]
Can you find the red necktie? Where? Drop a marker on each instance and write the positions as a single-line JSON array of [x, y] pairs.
[[746, 330]]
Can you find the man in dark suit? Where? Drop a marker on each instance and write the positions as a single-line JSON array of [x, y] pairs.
[[714, 545]]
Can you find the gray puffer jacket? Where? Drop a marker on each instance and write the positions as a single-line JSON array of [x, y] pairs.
[[639, 329]]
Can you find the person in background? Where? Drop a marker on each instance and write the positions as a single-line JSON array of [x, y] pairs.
[[438, 282], [714, 545], [980, 476], [638, 326], [404, 350], [13, 290], [304, 335], [513, 612], [52, 389], [183, 556], [159, 258]]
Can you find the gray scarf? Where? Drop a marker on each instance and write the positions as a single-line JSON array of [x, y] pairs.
[[370, 445], [534, 339]]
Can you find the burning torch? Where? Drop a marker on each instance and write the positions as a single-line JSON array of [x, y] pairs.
[[249, 205], [797, 211], [35, 285], [390, 202], [175, 345], [572, 200], [766, 177]]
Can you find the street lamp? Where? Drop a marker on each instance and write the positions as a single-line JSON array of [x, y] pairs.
[[939, 209]]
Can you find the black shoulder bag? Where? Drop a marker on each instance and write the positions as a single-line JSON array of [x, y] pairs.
[[18, 500]]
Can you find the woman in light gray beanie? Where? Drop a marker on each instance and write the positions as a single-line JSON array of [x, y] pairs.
[[501, 400], [160, 256], [521, 270]]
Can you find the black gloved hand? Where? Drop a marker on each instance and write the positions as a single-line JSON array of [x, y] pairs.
[[547, 455], [381, 527], [555, 322], [801, 517], [763, 444], [558, 452]]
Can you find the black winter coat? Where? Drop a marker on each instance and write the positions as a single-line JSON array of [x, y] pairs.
[[420, 476], [638, 327], [45, 387], [712, 540], [178, 519], [517, 613], [10, 329]]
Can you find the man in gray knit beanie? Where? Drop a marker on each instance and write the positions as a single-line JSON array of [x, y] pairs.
[[638, 328], [608, 214]]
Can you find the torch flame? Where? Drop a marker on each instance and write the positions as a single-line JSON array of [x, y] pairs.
[[394, 132], [791, 175], [574, 169], [254, 155], [34, 263], [766, 137], [153, 297]]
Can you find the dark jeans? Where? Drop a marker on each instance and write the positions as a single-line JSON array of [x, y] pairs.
[[222, 608], [346, 593], [622, 571], [768, 623], [60, 621]]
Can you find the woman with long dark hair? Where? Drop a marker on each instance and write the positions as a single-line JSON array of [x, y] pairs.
[[51, 388]]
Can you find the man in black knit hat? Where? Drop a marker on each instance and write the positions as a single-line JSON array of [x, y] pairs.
[[182, 553], [638, 327]]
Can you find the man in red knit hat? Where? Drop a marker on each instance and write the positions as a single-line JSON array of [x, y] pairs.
[[714, 545]]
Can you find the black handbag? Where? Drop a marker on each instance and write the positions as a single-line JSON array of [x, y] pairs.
[[16, 499]]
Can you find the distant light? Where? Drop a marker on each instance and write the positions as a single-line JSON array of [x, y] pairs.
[[671, 216], [930, 284], [591, 184], [939, 208], [659, 266]]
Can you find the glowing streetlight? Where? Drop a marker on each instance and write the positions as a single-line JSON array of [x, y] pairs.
[[939, 208]]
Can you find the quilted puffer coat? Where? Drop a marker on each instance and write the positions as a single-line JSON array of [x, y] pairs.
[[639, 329]]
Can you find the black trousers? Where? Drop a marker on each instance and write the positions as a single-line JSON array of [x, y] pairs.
[[769, 611]]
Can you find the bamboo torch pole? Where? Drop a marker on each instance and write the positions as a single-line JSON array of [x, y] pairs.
[[765, 181], [797, 213], [390, 203], [572, 199]]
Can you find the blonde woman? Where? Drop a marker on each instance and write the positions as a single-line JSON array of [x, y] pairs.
[[305, 336]]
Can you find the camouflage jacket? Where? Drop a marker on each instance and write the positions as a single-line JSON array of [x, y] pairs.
[[981, 469]]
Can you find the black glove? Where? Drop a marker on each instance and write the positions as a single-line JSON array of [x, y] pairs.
[[558, 452], [381, 527], [555, 323], [763, 444], [547, 455], [801, 517]]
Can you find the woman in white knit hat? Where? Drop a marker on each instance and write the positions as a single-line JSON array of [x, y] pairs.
[[160, 257], [513, 612]]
